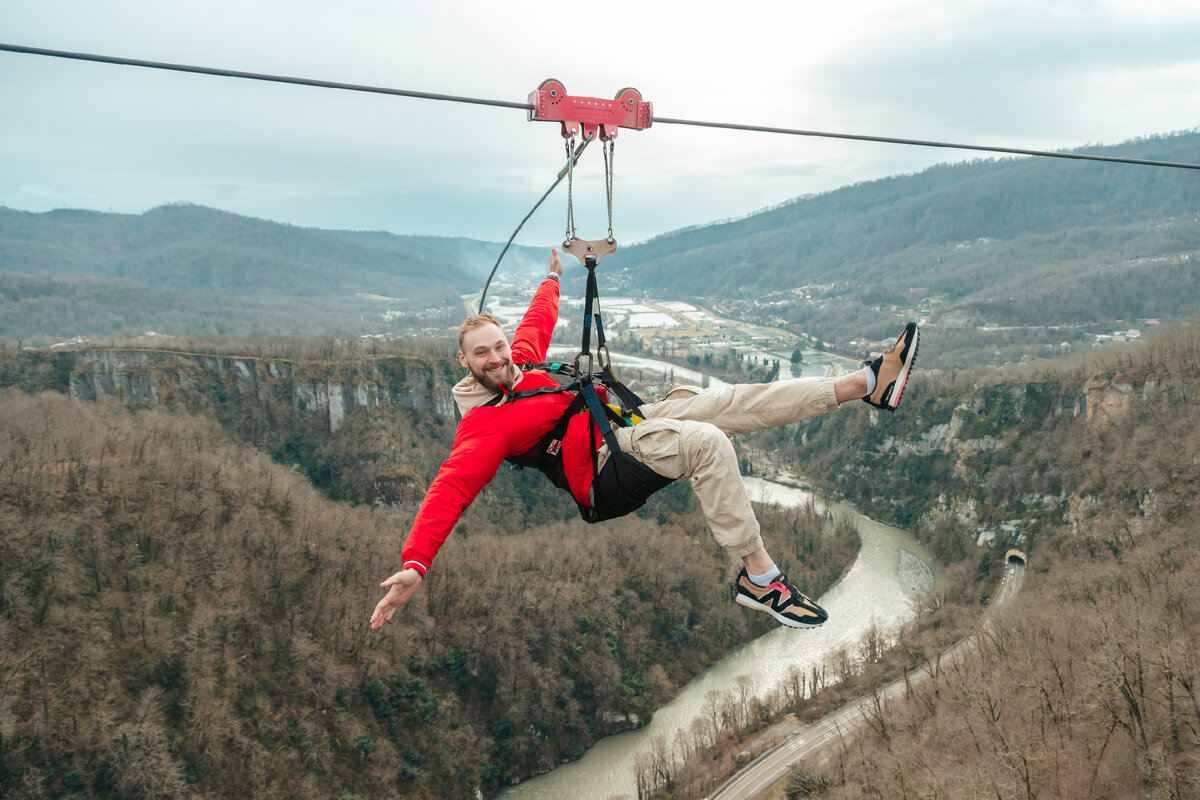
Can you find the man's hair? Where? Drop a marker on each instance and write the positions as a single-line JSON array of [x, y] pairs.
[[475, 321]]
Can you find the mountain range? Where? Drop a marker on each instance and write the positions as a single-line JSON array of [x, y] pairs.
[[1021, 243]]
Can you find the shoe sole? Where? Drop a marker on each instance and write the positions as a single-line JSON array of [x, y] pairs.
[[901, 380], [741, 599]]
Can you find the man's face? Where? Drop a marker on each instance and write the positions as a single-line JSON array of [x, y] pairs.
[[486, 355]]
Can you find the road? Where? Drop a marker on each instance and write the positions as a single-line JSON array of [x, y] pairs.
[[769, 768]]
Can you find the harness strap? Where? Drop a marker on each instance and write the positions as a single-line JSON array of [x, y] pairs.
[[628, 399], [524, 393], [546, 455]]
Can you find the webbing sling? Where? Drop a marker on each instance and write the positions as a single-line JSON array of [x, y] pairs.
[[624, 484]]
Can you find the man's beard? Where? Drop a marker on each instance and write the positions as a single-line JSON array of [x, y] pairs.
[[487, 382]]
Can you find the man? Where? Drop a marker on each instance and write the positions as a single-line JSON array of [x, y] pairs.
[[684, 435]]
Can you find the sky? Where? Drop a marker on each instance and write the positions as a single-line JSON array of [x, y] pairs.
[[1042, 75]]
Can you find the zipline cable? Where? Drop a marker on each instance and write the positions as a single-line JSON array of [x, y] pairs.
[[925, 143], [257, 76], [561, 174]]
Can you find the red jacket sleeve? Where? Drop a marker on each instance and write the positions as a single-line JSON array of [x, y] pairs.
[[533, 335], [471, 465], [478, 448]]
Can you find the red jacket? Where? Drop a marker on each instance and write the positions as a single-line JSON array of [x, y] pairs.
[[489, 434]]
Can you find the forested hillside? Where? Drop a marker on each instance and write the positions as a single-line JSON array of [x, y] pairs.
[[1008, 259], [182, 615], [189, 270], [1087, 687], [867, 232], [1011, 257]]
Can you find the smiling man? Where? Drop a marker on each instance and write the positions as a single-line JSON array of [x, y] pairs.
[[508, 412], [484, 351]]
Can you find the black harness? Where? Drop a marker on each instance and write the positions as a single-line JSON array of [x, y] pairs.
[[623, 484]]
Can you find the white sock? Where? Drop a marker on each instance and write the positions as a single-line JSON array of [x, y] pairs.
[[870, 373], [765, 578]]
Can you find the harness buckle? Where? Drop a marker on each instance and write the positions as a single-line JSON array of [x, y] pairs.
[[581, 374], [603, 358]]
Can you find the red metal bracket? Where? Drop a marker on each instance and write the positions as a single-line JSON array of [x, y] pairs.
[[594, 115]]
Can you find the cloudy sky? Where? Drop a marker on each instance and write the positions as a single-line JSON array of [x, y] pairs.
[[1041, 75]]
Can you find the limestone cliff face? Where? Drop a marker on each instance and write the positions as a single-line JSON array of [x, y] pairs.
[[1112, 395], [146, 377], [999, 484], [124, 374], [985, 422]]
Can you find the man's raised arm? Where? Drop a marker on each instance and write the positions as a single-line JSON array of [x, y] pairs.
[[533, 335]]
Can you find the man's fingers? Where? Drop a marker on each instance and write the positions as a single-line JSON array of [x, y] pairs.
[[383, 613], [401, 587]]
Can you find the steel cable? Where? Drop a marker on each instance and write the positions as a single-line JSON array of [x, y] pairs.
[[258, 76], [571, 159]]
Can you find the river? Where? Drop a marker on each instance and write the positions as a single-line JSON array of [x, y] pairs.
[[879, 589]]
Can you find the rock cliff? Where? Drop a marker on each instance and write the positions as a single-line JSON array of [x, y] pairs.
[[149, 377]]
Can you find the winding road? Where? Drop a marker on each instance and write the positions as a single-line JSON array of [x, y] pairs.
[[773, 765]]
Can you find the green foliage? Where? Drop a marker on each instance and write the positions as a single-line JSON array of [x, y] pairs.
[[412, 700], [804, 783], [36, 370], [985, 566], [997, 413]]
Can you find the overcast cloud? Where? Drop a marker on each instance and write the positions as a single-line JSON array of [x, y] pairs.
[[1045, 75]]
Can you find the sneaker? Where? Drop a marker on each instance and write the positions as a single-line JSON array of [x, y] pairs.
[[780, 599], [891, 369]]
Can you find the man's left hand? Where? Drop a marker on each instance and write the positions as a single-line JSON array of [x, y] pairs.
[[401, 587]]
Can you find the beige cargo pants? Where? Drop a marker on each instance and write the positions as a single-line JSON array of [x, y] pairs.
[[686, 434]]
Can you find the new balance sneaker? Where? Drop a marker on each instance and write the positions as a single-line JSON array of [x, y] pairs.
[[780, 599], [891, 369]]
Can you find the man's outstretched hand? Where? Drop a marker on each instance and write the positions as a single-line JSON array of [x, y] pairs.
[[555, 262], [401, 587]]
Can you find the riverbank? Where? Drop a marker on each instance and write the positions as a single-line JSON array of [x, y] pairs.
[[874, 599]]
